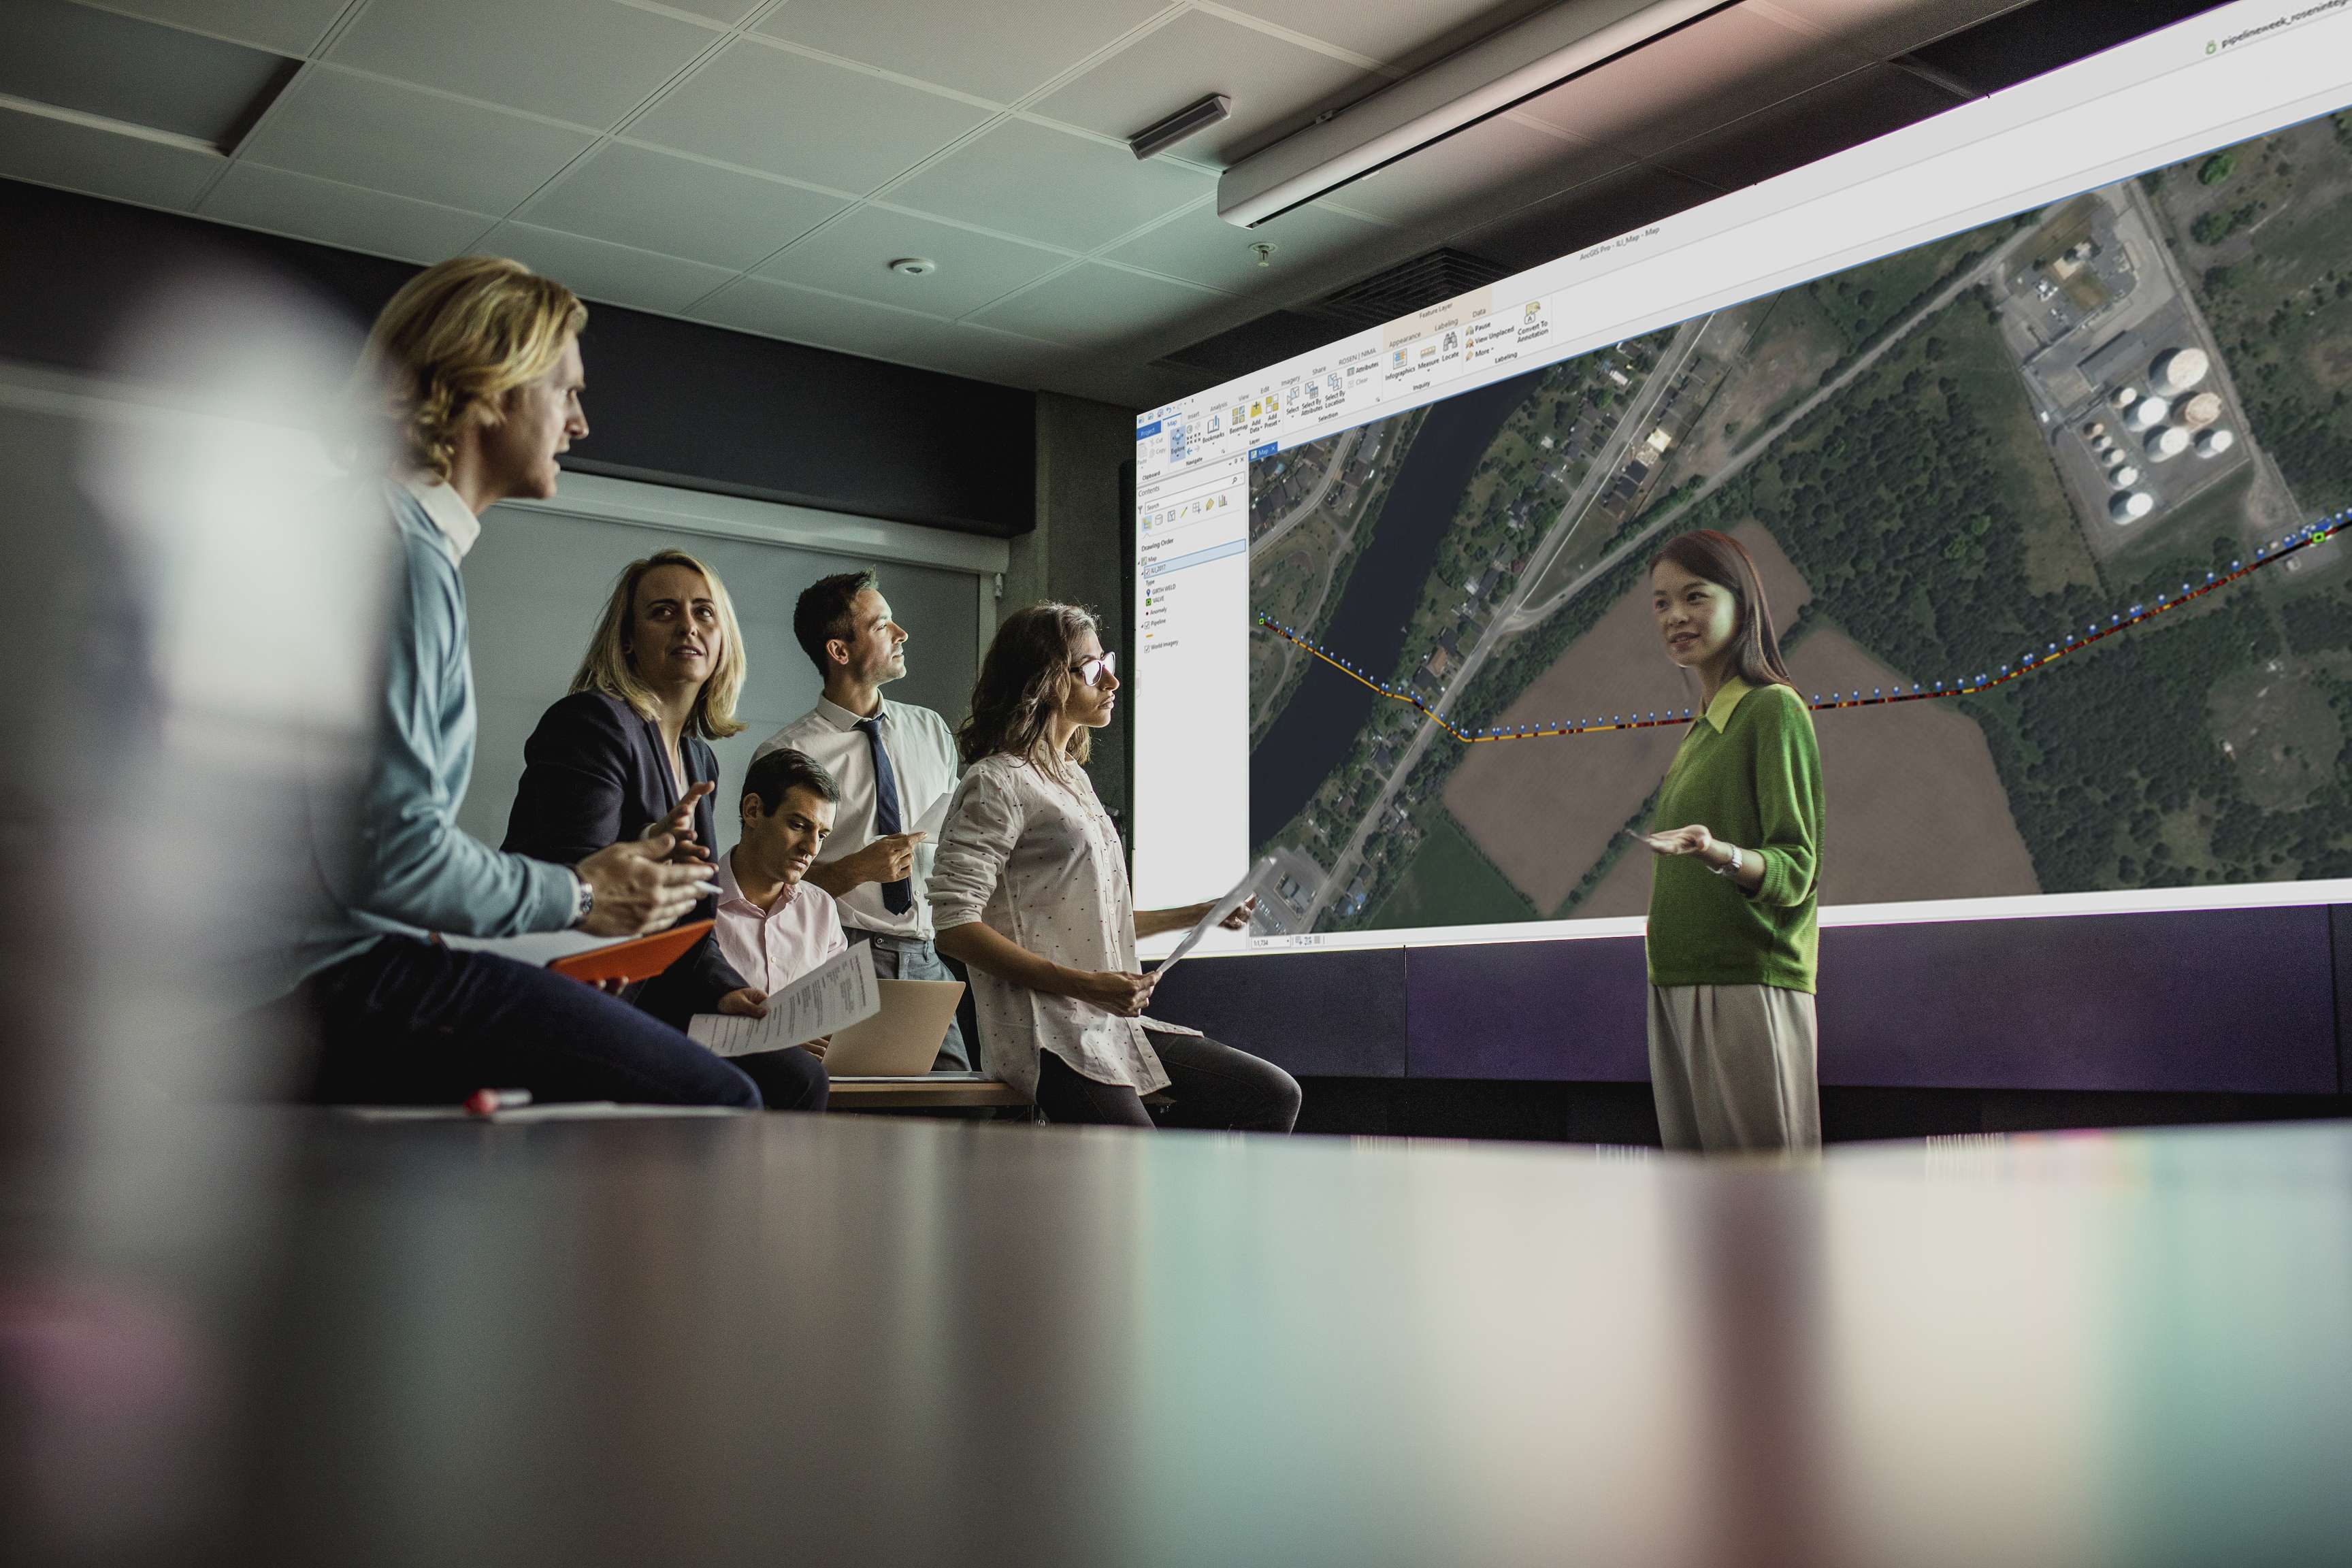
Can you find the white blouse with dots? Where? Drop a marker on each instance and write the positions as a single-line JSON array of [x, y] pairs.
[[1035, 858]]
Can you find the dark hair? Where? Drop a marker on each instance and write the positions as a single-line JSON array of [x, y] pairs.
[[1022, 679], [784, 769], [823, 611], [1725, 562]]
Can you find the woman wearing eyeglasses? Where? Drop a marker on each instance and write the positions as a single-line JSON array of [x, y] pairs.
[[1030, 892]]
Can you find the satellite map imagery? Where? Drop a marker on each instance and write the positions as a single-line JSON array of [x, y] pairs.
[[2045, 513]]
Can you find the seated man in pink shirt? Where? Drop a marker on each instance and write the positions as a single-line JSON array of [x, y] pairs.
[[773, 927]]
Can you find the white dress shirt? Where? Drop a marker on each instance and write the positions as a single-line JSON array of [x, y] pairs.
[[1036, 857], [452, 516], [772, 948], [922, 758]]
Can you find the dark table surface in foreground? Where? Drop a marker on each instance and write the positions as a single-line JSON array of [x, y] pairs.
[[782, 1338]]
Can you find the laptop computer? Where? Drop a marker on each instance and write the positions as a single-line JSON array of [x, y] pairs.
[[903, 1039]]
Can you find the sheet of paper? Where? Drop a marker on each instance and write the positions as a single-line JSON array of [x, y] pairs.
[[538, 948], [1214, 918], [835, 994], [931, 821]]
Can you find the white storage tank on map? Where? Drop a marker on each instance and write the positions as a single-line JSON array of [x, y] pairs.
[[2124, 396], [2167, 443], [2123, 478], [2213, 443], [2130, 506], [2148, 413], [2200, 411], [2176, 371]]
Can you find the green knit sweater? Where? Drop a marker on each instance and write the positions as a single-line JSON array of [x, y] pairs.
[[1751, 772]]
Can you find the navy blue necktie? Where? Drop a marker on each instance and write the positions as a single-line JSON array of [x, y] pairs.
[[897, 897]]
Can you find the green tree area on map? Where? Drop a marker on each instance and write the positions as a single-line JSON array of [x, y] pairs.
[[1926, 506], [1301, 573], [1535, 461]]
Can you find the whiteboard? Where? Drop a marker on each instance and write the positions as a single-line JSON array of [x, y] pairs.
[[537, 579]]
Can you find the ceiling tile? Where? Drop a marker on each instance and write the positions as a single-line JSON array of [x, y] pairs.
[[286, 203], [289, 26], [614, 274], [1271, 82], [587, 61], [1392, 29], [1497, 164], [1725, 66], [805, 316], [852, 257], [770, 108], [1599, 209], [1041, 183], [658, 201], [1002, 52], [987, 354], [1889, 26], [728, 10], [102, 162], [1843, 113], [393, 138], [1202, 248], [1092, 305], [131, 70]]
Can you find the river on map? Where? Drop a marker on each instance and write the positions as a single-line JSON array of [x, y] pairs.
[[1317, 729]]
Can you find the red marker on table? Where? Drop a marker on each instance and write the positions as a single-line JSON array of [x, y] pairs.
[[489, 1101]]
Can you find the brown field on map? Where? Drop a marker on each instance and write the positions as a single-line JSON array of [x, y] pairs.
[[1914, 808], [1544, 810]]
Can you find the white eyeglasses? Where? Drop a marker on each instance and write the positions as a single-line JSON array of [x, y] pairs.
[[1094, 670]]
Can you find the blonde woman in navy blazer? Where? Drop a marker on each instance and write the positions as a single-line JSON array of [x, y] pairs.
[[631, 746]]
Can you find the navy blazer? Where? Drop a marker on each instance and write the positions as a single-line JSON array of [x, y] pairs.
[[595, 773]]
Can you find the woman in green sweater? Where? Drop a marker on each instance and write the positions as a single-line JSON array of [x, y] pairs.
[[1733, 895]]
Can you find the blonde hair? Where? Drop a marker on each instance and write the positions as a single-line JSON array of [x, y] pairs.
[[453, 342], [606, 667]]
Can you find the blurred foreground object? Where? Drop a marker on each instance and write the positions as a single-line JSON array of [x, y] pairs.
[[194, 642]]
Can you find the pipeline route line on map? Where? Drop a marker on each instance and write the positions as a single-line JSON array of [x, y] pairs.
[[1879, 697]]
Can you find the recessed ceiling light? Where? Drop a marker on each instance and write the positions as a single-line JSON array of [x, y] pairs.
[[914, 267]]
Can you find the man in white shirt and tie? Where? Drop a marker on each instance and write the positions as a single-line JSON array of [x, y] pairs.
[[896, 766]]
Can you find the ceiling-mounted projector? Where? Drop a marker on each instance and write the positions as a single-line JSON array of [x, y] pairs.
[[1457, 92]]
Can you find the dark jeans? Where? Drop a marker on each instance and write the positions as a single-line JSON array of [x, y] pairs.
[[1209, 1084], [904, 958], [789, 1080], [414, 1023]]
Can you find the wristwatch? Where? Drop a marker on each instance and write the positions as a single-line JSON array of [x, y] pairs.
[[1732, 870], [583, 900]]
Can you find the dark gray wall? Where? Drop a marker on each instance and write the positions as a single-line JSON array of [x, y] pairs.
[[1079, 551], [2189, 1002], [670, 401]]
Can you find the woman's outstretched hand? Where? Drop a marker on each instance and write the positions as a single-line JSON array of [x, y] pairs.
[[1691, 840]]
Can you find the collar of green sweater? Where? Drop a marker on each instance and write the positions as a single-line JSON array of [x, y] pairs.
[[1719, 713]]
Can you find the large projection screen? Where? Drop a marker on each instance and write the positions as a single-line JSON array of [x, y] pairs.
[[2037, 417]]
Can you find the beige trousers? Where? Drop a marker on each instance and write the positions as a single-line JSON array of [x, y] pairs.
[[1732, 1067]]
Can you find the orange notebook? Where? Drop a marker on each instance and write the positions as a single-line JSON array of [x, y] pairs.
[[639, 958]]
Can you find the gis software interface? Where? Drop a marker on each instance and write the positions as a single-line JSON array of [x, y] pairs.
[[2036, 418]]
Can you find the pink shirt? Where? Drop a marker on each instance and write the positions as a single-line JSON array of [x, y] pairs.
[[772, 948]]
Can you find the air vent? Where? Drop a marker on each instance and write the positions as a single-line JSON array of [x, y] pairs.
[[2034, 39], [134, 76], [1409, 286]]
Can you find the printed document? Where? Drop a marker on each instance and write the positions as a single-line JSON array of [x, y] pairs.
[[835, 994]]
